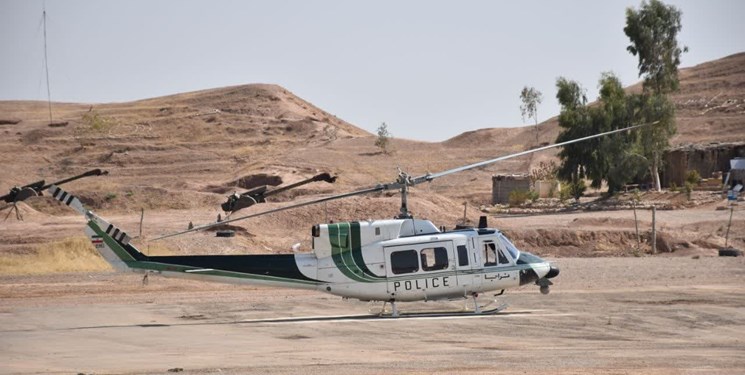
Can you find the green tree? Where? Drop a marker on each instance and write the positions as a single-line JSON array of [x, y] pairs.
[[614, 159], [384, 138], [575, 121], [653, 32], [619, 156], [530, 98]]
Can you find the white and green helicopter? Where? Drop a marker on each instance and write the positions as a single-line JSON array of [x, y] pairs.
[[397, 260]]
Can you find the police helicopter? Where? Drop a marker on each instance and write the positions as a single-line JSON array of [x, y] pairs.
[[396, 260]]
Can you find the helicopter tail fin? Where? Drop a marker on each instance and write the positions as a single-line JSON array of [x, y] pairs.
[[111, 242], [67, 198]]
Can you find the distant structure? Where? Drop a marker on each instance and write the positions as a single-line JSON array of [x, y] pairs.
[[736, 174], [503, 185], [707, 160]]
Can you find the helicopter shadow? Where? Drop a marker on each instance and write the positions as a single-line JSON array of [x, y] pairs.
[[308, 319]]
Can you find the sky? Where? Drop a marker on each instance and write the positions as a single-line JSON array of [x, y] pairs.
[[429, 69]]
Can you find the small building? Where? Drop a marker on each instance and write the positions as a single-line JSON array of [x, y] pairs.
[[503, 185], [705, 159]]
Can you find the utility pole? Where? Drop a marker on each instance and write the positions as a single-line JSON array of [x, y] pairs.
[[46, 62], [726, 236]]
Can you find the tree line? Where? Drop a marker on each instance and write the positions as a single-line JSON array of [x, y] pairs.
[[620, 158]]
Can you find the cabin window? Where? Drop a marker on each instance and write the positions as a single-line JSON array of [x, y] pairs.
[[434, 258], [405, 261], [490, 254], [462, 256], [502, 258]]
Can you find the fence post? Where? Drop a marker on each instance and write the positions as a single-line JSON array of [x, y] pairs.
[[654, 230]]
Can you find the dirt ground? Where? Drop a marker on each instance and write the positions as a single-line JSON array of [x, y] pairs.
[[655, 315]]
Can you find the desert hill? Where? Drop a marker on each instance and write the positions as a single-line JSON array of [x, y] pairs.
[[710, 108]]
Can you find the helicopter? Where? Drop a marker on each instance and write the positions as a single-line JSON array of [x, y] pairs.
[[395, 260]]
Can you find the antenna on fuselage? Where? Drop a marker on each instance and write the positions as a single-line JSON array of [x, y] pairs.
[[482, 222]]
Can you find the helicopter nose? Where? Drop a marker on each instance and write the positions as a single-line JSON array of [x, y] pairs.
[[533, 268], [553, 272]]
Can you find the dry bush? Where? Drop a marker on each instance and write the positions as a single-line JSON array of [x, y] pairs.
[[97, 122], [72, 254]]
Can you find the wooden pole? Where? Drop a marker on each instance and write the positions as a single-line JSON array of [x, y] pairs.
[[726, 236], [654, 230], [636, 225], [142, 216]]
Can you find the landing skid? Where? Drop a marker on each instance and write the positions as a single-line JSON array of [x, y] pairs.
[[395, 313], [440, 314]]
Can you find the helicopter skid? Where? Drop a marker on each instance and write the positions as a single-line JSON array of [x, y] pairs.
[[440, 314]]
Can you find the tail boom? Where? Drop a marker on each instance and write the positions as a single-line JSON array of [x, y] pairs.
[[114, 246]]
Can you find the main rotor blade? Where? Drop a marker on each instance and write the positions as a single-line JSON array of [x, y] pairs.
[[399, 184], [429, 177], [321, 200]]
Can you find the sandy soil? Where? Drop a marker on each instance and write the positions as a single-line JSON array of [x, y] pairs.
[[604, 316]]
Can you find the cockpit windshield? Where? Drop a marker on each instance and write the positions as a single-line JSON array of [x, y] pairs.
[[509, 246]]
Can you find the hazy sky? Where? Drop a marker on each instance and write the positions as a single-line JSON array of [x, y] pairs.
[[429, 69]]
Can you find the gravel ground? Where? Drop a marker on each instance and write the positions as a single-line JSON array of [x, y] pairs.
[[657, 315]]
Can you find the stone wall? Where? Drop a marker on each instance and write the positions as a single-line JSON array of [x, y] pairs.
[[503, 185]]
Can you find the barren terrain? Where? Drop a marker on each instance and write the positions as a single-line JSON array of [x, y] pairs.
[[604, 316]]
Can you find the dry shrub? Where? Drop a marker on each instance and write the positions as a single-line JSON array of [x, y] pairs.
[[72, 254]]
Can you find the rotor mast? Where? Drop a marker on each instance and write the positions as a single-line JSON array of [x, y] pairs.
[[404, 180]]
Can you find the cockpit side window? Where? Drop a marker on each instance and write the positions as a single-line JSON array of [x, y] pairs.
[[509, 246], [490, 254], [502, 258]]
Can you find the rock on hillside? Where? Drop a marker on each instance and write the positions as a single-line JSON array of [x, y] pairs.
[[710, 106]]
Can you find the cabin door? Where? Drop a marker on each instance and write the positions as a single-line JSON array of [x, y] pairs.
[[499, 271], [421, 271], [467, 267]]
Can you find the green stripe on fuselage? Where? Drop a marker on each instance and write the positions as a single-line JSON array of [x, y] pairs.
[[346, 251], [339, 240], [357, 252]]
